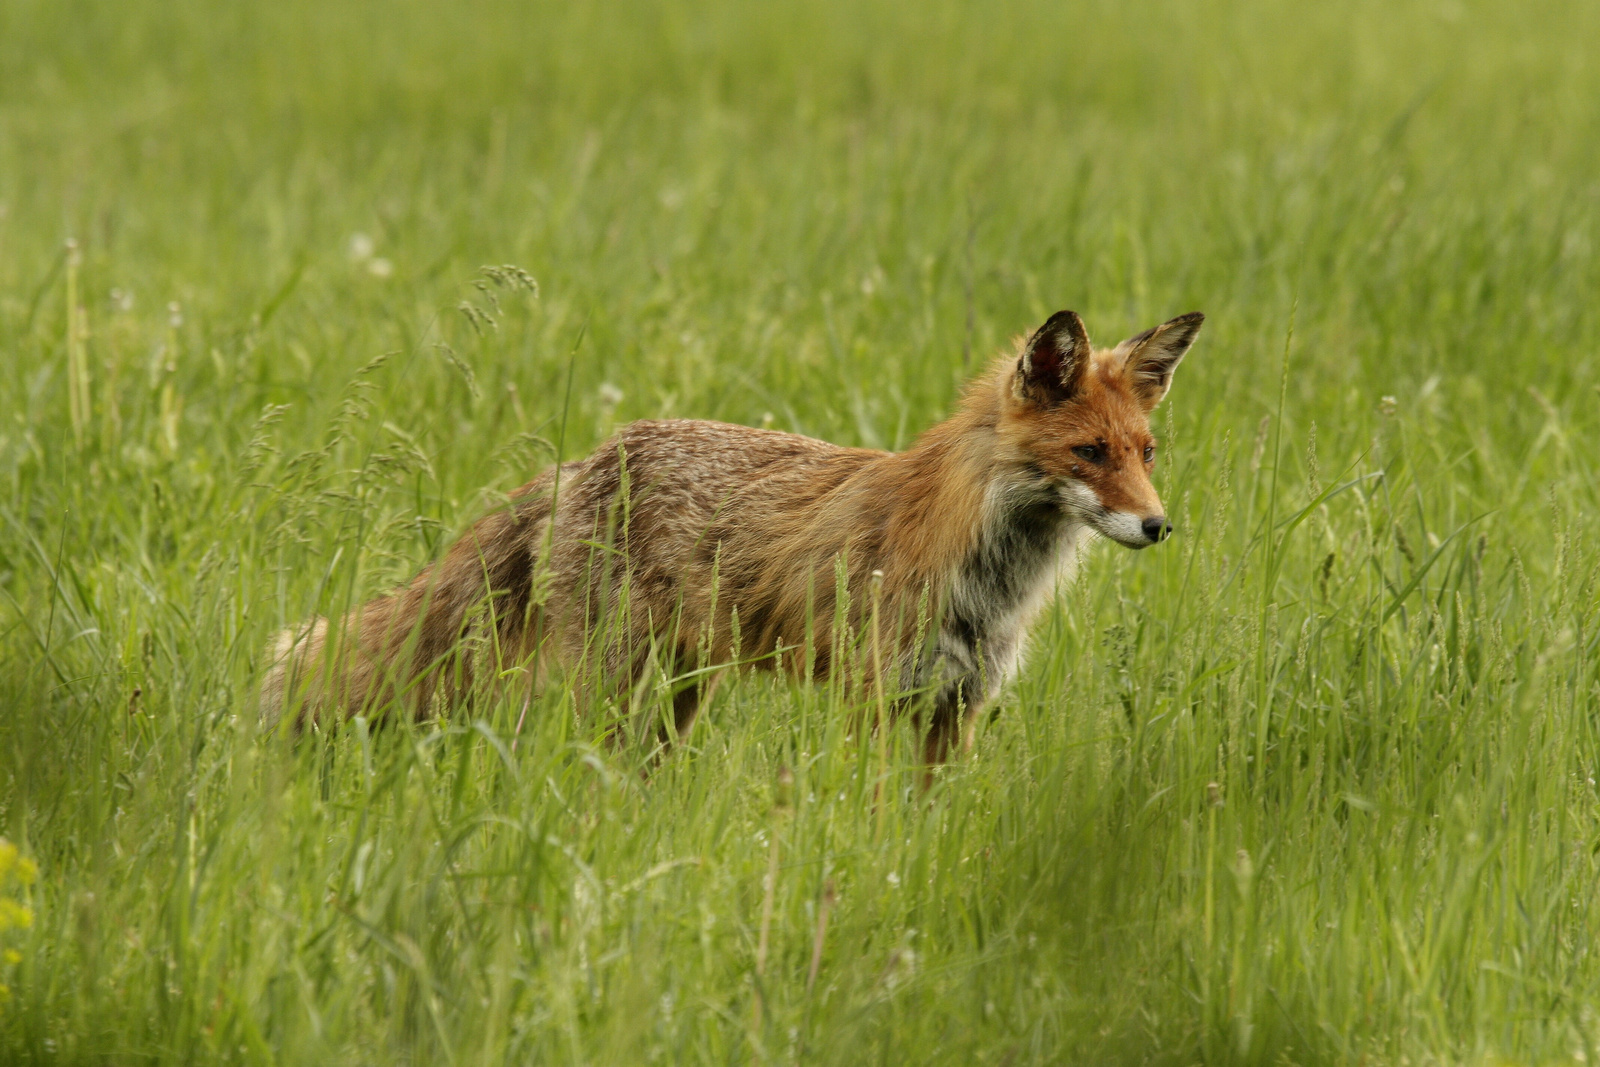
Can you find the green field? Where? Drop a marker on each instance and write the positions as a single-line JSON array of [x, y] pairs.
[[268, 378]]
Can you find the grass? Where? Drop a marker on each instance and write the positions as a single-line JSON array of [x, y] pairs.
[[1314, 783]]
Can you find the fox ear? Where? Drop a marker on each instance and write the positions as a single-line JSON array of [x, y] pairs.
[[1152, 356], [1053, 360]]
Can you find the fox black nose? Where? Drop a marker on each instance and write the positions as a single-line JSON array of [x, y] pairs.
[[1157, 528]]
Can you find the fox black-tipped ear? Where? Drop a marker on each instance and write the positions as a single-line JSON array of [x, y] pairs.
[[1053, 359], [1152, 356]]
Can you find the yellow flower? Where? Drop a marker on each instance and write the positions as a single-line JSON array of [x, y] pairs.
[[14, 914], [14, 867]]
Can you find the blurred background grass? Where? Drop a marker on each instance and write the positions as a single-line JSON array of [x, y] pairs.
[[822, 217]]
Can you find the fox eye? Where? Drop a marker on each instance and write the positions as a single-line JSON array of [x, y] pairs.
[[1088, 452], [1149, 453]]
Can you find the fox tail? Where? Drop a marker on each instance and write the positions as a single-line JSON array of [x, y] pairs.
[[395, 650]]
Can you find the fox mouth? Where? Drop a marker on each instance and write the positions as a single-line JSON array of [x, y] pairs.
[[1123, 528]]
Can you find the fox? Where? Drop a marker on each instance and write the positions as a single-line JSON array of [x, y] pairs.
[[680, 543]]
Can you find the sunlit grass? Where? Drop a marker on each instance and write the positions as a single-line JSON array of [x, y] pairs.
[[1312, 783]]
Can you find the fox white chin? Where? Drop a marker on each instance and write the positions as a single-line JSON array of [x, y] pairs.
[[1123, 527]]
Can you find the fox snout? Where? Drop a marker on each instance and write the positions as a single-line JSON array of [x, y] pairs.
[[1156, 528], [1130, 530]]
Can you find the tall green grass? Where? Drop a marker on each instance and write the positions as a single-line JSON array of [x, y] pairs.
[[1312, 783]]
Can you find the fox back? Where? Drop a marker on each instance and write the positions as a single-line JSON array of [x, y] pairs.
[[680, 544]]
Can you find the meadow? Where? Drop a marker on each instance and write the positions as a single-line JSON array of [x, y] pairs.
[[1312, 783]]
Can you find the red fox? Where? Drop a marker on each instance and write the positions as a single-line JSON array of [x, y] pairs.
[[682, 543]]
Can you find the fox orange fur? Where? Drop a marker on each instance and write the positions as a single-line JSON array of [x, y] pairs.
[[683, 543]]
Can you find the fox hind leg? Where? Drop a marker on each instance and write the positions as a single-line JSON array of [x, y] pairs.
[[686, 704]]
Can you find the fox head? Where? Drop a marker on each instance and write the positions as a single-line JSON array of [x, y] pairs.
[[1079, 419]]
